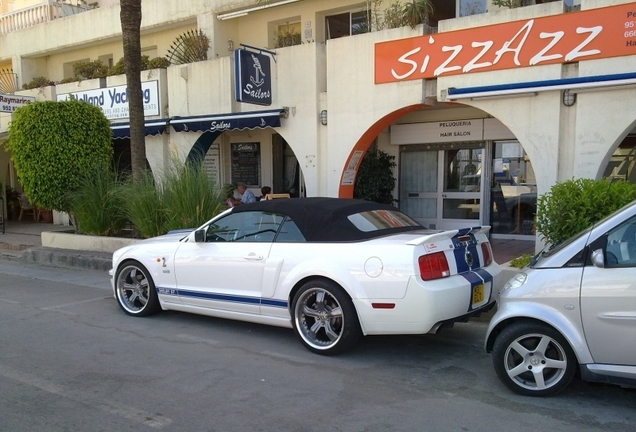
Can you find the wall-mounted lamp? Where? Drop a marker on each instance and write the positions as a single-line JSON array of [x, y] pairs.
[[569, 98], [230, 45], [323, 117]]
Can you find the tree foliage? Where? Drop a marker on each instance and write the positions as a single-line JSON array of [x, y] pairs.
[[54, 145], [375, 181], [570, 207]]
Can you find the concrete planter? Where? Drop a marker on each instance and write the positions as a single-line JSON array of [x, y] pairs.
[[69, 240]]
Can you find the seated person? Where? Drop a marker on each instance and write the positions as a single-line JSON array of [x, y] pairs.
[[265, 190], [247, 196], [230, 201]]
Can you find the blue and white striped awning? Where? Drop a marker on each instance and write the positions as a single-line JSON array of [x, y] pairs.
[[225, 122], [153, 127]]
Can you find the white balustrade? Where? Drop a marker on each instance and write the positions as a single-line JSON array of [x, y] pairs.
[[34, 15]]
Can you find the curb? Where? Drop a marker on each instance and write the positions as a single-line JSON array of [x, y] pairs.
[[54, 257]]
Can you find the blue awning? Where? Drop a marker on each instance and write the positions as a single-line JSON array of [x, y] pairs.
[[153, 127], [225, 122]]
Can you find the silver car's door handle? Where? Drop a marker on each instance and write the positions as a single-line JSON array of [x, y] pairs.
[[253, 257]]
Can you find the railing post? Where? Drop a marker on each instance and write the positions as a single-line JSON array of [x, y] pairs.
[[2, 214]]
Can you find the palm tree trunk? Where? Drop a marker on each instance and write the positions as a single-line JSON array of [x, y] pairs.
[[130, 16]]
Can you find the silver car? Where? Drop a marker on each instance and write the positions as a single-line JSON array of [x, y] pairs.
[[572, 309]]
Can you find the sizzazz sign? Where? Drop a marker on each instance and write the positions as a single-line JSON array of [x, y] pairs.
[[564, 38], [114, 100], [253, 77]]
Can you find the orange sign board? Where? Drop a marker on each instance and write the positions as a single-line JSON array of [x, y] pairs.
[[570, 37]]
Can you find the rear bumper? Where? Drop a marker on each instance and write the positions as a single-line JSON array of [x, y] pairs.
[[427, 306]]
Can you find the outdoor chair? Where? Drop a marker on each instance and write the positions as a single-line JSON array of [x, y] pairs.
[[27, 208]]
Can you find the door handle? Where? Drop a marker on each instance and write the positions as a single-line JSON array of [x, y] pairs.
[[253, 257]]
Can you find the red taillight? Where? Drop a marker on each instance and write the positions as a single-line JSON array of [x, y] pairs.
[[434, 266], [487, 253]]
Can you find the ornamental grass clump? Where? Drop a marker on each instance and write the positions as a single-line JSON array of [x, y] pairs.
[[574, 205], [190, 197], [144, 206], [97, 205]]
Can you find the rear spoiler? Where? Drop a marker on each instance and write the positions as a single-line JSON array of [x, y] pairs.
[[448, 235]]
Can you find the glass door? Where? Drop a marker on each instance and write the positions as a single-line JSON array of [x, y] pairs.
[[418, 186], [462, 186], [442, 188]]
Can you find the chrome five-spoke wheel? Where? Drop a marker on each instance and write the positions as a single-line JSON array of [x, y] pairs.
[[324, 318], [533, 359], [135, 290]]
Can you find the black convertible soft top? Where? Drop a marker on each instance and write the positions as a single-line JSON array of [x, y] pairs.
[[322, 219]]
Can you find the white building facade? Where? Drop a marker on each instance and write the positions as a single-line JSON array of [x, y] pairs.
[[483, 111]]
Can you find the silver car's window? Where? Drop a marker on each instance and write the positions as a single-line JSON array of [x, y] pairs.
[[621, 245], [244, 227], [375, 220]]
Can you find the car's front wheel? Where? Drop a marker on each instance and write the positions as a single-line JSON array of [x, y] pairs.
[[135, 290], [533, 359], [324, 318]]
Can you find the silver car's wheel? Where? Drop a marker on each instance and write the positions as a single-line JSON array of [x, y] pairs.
[[135, 290], [324, 318], [533, 359]]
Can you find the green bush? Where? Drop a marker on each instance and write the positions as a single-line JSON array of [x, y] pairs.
[[84, 70], [54, 145], [37, 82], [97, 205], [158, 63], [522, 261], [574, 205], [375, 181]]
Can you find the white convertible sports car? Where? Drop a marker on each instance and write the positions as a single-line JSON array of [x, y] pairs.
[[332, 269]]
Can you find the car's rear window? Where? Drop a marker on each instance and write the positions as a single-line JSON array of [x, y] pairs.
[[376, 220]]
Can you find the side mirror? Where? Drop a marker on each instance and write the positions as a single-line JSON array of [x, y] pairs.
[[598, 259], [199, 236]]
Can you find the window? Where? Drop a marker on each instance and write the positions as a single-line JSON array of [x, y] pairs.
[[621, 245], [288, 34], [375, 220], [471, 7], [347, 24], [254, 226], [289, 233]]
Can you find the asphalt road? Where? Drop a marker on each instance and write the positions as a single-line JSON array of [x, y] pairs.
[[70, 360]]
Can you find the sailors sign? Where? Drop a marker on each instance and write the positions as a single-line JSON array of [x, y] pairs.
[[10, 102]]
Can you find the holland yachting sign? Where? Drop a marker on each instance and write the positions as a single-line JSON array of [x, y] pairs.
[[253, 77]]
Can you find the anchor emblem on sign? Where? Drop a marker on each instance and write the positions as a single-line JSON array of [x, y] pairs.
[[257, 80]]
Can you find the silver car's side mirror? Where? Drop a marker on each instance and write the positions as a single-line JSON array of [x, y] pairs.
[[598, 259]]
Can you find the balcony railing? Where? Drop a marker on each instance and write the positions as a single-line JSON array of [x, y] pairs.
[[8, 81], [46, 11]]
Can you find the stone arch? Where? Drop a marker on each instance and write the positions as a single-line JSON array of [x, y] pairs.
[[346, 187]]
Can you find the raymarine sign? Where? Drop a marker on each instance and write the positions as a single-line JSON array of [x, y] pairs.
[[114, 100], [11, 102]]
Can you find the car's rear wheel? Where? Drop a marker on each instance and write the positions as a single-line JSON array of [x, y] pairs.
[[324, 318], [135, 290], [533, 359]]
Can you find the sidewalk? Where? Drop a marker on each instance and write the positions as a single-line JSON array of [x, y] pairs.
[[22, 241]]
